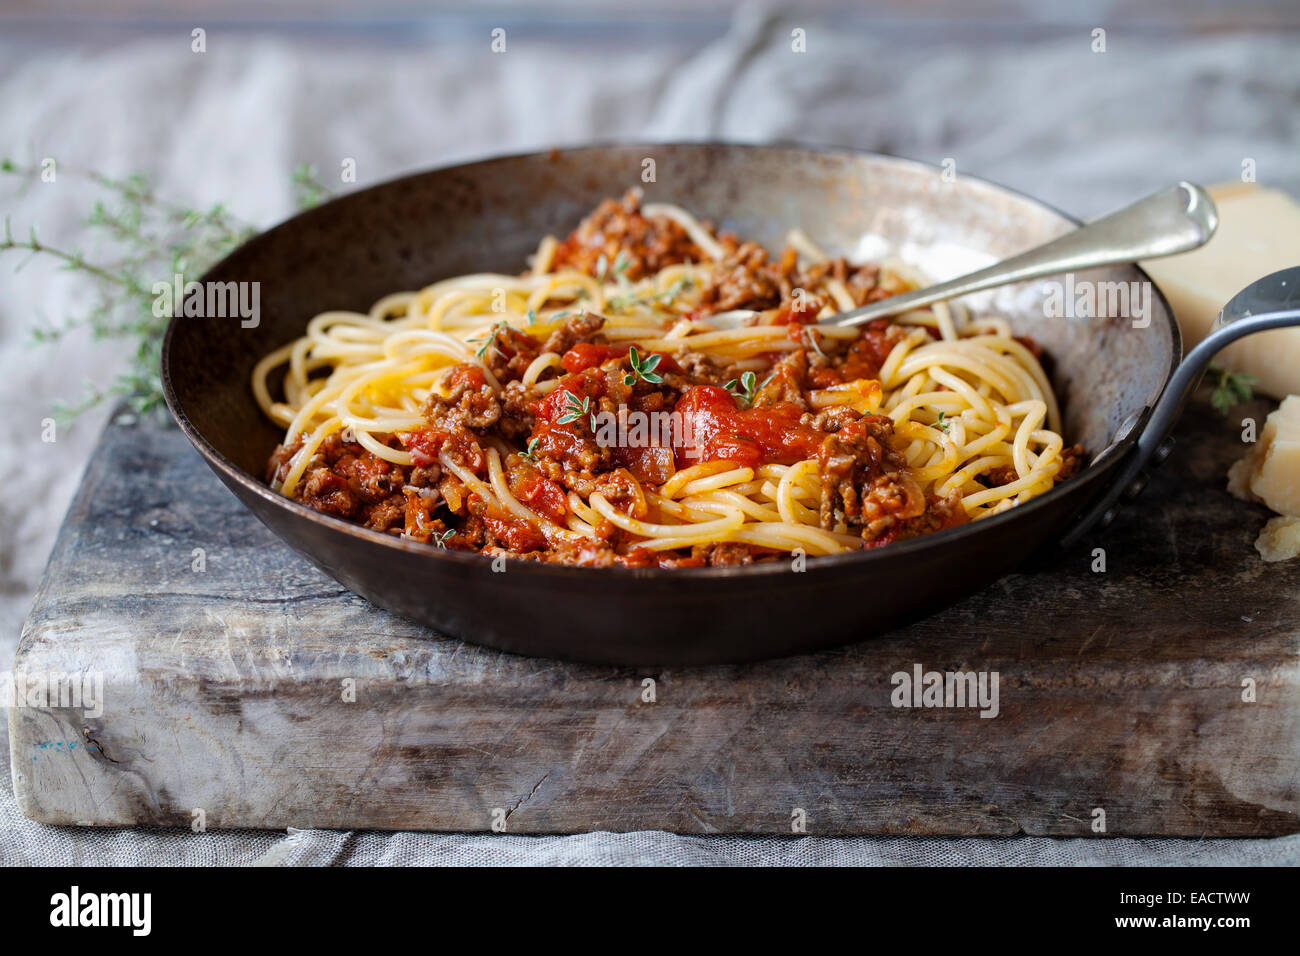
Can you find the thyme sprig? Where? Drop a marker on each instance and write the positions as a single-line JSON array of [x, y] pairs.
[[576, 411], [308, 190], [1230, 389], [621, 263], [489, 340], [643, 368], [627, 299], [749, 388], [141, 239]]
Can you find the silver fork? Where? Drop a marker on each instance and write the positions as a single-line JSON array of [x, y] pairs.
[[1177, 219]]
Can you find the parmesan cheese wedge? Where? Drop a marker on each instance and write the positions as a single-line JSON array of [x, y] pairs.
[[1270, 474], [1259, 233]]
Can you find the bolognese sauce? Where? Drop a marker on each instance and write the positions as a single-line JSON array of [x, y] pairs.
[[502, 447]]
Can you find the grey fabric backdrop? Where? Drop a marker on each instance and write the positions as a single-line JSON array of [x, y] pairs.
[[1083, 130]]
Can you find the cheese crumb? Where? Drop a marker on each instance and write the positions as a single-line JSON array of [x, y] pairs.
[[1270, 474], [1280, 539]]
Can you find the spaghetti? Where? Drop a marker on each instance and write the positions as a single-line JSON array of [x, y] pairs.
[[594, 410]]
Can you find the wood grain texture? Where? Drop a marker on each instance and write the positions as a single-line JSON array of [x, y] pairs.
[[223, 690]]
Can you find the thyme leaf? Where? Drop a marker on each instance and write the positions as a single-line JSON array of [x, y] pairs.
[[576, 411], [749, 388], [643, 369], [1231, 389]]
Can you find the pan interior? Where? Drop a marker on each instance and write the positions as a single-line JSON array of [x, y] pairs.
[[489, 216]]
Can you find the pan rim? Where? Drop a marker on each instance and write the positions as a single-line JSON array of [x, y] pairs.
[[230, 472]]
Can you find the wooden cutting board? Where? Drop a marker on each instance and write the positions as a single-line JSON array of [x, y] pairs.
[[242, 687]]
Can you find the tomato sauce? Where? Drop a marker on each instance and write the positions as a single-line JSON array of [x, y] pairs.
[[720, 430], [587, 355], [426, 444], [542, 495], [519, 536], [652, 464], [565, 441], [466, 374]]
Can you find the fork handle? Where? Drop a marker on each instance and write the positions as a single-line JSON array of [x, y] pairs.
[[1174, 220]]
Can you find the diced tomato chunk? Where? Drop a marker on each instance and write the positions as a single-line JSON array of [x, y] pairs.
[[518, 536], [717, 429], [425, 444], [587, 355], [466, 374], [652, 464], [543, 496]]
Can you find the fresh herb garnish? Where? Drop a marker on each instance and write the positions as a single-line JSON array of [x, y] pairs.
[[1231, 388], [749, 388], [441, 539], [489, 340], [621, 263], [942, 424], [308, 190], [532, 317], [621, 302], [643, 368], [575, 410], [531, 450], [147, 239], [679, 286]]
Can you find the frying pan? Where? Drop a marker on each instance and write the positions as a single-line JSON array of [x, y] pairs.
[[488, 216]]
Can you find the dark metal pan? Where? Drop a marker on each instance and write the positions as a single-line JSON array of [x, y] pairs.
[[489, 215]]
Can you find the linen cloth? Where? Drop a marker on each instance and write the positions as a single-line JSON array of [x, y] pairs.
[[1083, 130]]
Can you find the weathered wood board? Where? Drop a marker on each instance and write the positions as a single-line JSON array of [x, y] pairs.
[[226, 662]]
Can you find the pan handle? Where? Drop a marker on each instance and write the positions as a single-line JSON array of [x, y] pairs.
[[1272, 302]]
